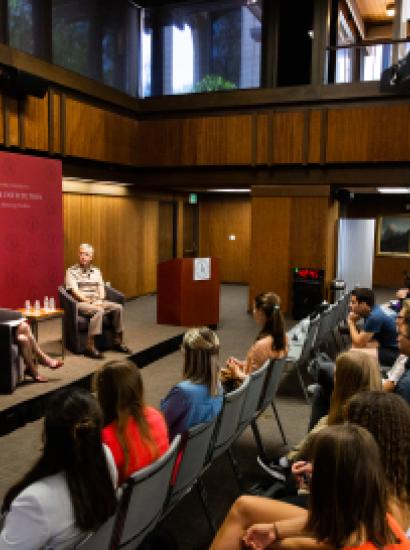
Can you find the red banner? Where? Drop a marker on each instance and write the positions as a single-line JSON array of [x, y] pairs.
[[31, 229]]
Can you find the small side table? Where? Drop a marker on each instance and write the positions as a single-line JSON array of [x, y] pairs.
[[35, 317]]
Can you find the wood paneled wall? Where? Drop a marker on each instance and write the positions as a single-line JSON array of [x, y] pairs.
[[218, 219], [124, 233], [290, 231], [293, 135]]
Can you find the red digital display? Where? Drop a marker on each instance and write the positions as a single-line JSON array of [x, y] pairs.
[[307, 273]]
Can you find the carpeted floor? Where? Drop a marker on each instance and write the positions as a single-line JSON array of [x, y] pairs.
[[237, 330]]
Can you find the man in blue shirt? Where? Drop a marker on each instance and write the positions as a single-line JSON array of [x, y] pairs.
[[379, 329]]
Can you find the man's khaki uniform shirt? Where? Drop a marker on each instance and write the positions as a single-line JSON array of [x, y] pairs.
[[89, 281]]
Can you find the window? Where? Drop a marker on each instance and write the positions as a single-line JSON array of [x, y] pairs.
[[97, 38], [201, 46], [21, 35]]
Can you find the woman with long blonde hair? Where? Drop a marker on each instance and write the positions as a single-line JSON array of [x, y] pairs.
[[198, 397]]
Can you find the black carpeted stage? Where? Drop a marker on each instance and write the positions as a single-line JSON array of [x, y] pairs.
[[150, 341], [21, 412]]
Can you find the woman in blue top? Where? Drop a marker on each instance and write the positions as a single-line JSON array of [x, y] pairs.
[[198, 398]]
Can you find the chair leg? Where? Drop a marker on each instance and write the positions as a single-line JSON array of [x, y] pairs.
[[259, 442], [203, 495], [236, 470], [302, 384], [279, 423]]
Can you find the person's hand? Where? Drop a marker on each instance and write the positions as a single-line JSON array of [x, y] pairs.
[[353, 317], [401, 294], [260, 536], [302, 472]]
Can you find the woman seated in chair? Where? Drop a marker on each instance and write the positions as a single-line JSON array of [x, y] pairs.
[[31, 353], [348, 477], [70, 490], [349, 503], [135, 433], [198, 398], [270, 343]]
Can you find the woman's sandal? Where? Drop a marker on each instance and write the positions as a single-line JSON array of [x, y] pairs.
[[53, 363], [36, 376]]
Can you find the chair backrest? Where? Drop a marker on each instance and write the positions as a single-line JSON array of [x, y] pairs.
[[228, 420], [140, 506], [310, 340], [252, 396], [148, 489], [195, 450], [9, 315], [323, 329], [272, 381]]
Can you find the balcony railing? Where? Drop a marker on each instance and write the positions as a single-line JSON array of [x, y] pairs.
[[363, 62]]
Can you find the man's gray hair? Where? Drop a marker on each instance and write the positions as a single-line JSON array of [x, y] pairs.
[[87, 247]]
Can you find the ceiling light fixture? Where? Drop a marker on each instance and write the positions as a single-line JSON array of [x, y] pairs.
[[390, 9], [394, 190]]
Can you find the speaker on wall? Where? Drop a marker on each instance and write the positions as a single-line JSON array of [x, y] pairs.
[[17, 83]]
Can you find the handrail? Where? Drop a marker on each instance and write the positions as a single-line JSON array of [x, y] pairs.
[[381, 41]]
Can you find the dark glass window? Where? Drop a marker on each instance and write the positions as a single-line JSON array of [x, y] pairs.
[[21, 34], [97, 38], [201, 46]]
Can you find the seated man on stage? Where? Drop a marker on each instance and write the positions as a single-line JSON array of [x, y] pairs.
[[379, 331], [87, 286]]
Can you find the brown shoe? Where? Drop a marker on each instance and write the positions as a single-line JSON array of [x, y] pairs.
[[93, 353]]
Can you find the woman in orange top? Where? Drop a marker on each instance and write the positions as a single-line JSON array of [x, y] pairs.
[[271, 342], [135, 433], [348, 499]]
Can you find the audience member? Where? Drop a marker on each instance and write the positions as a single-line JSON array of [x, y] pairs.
[[271, 342], [404, 293], [71, 488], [198, 398], [31, 353], [86, 284], [387, 418], [379, 329], [402, 386], [135, 433], [324, 388], [394, 374], [355, 372], [348, 505]]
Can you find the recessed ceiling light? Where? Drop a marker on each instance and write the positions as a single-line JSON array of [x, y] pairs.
[[238, 190], [394, 190]]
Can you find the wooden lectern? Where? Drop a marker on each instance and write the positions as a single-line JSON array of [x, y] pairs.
[[181, 300]]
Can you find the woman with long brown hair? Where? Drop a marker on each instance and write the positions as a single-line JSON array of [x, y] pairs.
[[349, 501], [356, 371], [270, 343], [135, 433]]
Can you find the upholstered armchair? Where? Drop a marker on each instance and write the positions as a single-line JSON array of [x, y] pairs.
[[76, 324], [11, 363]]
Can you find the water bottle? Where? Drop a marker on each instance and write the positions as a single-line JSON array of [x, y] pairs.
[[27, 305], [52, 304], [46, 303], [37, 306]]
